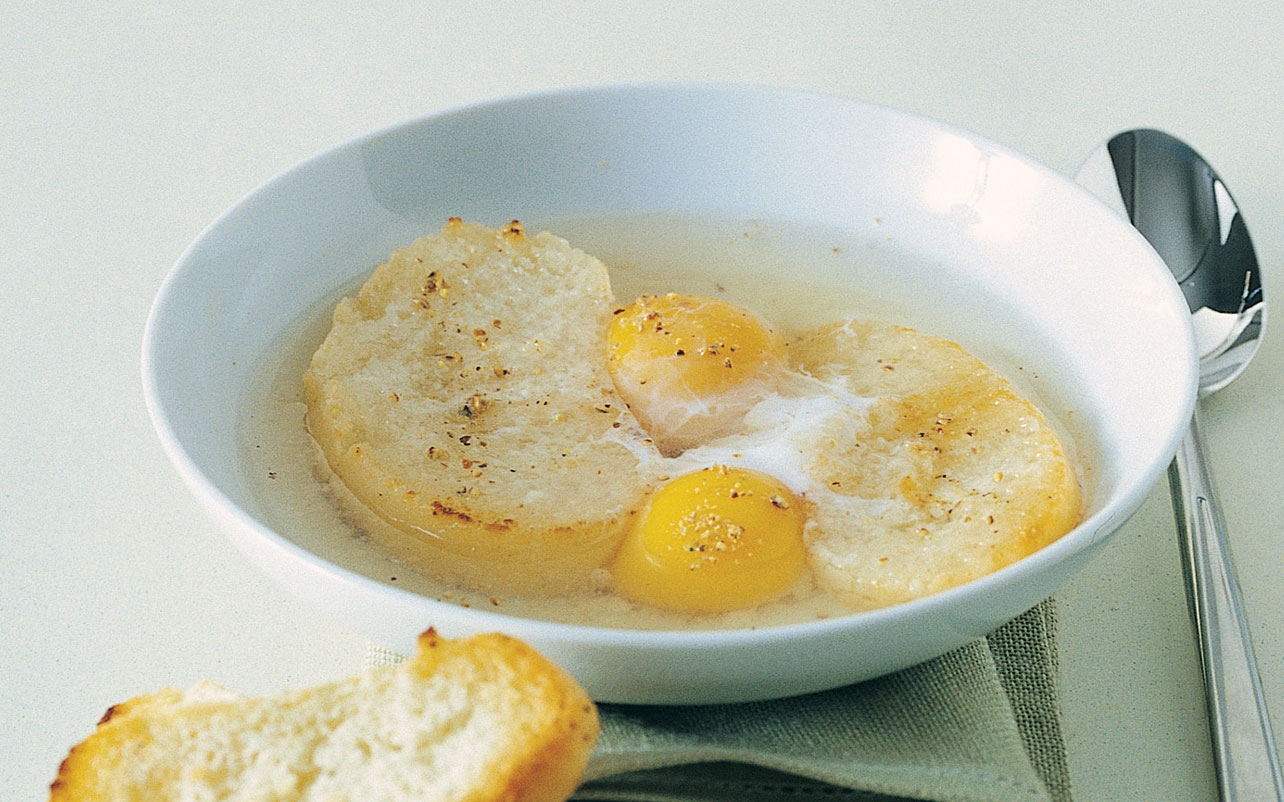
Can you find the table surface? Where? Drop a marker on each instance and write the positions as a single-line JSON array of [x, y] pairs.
[[128, 127]]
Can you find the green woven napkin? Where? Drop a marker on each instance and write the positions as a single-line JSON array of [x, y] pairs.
[[981, 723]]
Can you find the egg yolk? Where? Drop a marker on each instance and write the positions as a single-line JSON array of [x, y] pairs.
[[688, 366], [715, 540]]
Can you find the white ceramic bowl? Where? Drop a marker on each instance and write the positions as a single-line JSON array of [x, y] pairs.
[[1033, 271]]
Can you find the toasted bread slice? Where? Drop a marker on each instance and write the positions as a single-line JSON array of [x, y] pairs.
[[463, 396], [953, 474], [477, 720]]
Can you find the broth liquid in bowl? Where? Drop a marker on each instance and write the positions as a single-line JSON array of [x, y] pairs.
[[793, 278]]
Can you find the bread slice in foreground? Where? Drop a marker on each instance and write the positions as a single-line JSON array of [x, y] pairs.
[[474, 720]]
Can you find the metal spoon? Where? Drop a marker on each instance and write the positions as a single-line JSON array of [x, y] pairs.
[[1176, 200]]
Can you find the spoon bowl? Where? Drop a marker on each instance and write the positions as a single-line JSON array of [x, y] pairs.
[[1183, 208]]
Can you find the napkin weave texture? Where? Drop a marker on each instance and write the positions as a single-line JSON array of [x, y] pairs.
[[980, 724]]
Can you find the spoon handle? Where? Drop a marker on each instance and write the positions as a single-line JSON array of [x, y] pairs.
[[1248, 768]]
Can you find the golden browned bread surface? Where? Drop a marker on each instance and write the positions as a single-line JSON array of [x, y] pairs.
[[463, 396], [484, 719], [952, 475]]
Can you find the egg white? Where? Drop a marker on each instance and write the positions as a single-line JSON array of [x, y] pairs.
[[781, 436]]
